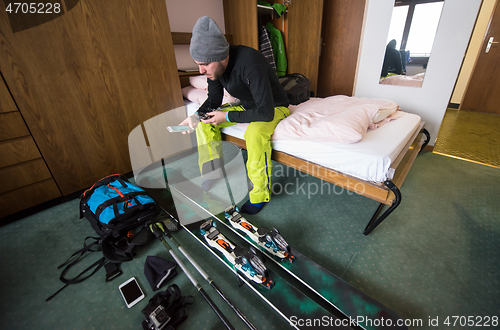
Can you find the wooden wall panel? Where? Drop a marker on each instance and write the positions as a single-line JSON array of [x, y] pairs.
[[20, 199], [6, 102], [341, 34], [17, 151], [12, 126], [304, 43], [17, 176], [84, 80], [240, 19]]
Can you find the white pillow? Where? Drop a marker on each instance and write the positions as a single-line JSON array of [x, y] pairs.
[[199, 96], [199, 82], [195, 95]]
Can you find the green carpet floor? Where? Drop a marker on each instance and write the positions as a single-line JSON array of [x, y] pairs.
[[436, 256]]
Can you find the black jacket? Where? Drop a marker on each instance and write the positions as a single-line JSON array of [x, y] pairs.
[[249, 78]]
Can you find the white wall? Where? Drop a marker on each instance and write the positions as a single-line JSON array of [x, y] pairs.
[[452, 36], [183, 14]]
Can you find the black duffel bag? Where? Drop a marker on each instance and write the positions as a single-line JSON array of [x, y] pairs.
[[297, 87]]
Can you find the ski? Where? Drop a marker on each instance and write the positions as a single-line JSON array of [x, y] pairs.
[[296, 308], [368, 313]]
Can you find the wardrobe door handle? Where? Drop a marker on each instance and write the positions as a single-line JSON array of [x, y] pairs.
[[490, 42]]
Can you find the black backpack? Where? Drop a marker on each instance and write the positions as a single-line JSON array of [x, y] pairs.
[[297, 87], [118, 211]]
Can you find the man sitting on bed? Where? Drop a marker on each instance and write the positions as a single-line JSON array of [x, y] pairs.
[[246, 75]]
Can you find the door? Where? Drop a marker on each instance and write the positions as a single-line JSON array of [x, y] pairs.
[[482, 92]]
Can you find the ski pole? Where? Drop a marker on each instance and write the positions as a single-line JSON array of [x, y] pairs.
[[205, 275], [157, 232]]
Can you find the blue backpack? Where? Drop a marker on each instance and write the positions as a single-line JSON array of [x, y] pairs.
[[118, 211], [113, 206]]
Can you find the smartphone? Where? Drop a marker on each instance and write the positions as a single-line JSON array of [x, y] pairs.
[[173, 129], [131, 292]]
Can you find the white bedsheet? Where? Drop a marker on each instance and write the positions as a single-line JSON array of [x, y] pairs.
[[369, 159]]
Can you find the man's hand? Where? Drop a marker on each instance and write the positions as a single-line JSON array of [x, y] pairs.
[[191, 121], [217, 117]]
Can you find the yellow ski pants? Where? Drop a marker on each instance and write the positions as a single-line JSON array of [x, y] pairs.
[[258, 142]]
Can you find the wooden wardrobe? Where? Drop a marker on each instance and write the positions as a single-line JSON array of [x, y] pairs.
[[341, 38], [73, 87], [301, 32]]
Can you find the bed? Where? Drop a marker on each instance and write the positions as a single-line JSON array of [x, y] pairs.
[[374, 167]]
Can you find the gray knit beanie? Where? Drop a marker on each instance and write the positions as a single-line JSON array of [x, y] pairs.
[[208, 43]]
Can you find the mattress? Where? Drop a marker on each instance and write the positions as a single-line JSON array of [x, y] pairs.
[[369, 159]]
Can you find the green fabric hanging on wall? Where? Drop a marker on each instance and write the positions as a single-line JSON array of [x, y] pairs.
[[278, 7], [278, 49]]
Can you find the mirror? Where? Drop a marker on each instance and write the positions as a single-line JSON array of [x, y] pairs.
[[409, 43]]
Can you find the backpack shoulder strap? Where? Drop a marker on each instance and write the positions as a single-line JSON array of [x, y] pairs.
[[68, 263]]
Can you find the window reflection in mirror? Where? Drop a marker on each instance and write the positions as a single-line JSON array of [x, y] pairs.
[[409, 43]]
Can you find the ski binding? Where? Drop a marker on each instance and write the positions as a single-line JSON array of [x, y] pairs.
[[269, 240], [246, 262]]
